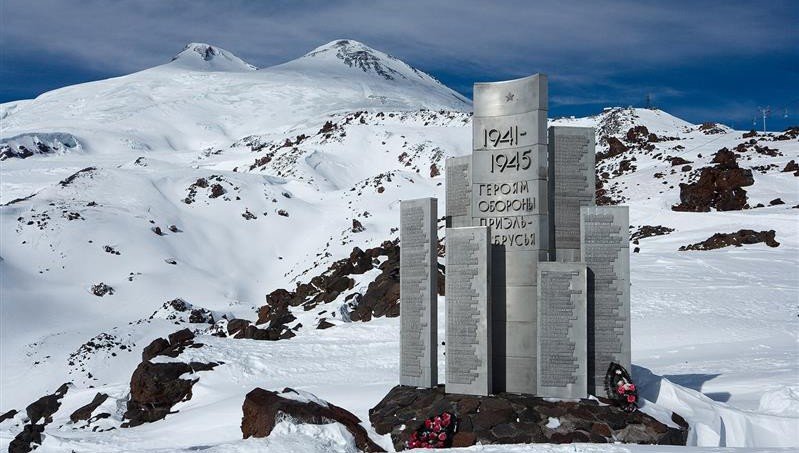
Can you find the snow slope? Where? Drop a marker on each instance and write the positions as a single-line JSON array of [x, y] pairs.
[[299, 150]]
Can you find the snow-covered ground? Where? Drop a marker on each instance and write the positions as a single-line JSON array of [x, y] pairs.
[[342, 133]]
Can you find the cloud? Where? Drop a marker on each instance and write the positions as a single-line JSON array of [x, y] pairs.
[[518, 36], [600, 51]]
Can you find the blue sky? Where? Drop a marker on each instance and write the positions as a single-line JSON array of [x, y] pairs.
[[700, 60]]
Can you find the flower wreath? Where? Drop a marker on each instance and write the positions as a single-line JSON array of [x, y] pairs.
[[620, 387], [436, 432]]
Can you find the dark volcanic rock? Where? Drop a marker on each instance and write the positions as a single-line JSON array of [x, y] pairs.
[[719, 187], [156, 387], [736, 239], [8, 415], [512, 418], [46, 406], [181, 336], [791, 166], [101, 289], [31, 434], [645, 231], [262, 408], [615, 148], [42, 409], [85, 412]]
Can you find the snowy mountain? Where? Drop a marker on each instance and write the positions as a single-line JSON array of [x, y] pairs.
[[203, 191]]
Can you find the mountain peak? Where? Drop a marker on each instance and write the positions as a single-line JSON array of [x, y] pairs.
[[205, 57], [358, 55]]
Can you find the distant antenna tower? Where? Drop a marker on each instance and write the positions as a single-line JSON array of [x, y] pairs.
[[649, 101], [765, 112]]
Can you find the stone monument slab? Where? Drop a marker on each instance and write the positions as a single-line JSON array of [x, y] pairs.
[[562, 330], [572, 185], [605, 248], [509, 195], [418, 292], [458, 182], [468, 305]]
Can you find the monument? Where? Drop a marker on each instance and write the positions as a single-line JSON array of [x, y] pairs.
[[458, 177], [605, 248], [571, 186], [537, 288], [509, 195], [468, 321], [418, 293], [562, 330]]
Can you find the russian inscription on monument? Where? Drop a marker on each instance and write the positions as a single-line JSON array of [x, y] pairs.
[[605, 248], [562, 346], [468, 322], [418, 292], [509, 196], [571, 186], [458, 182]]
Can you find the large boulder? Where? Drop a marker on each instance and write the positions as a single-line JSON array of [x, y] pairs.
[[156, 387], [85, 412], [719, 187], [262, 409], [508, 418]]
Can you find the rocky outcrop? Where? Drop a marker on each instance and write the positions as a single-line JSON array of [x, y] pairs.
[[156, 387], [508, 418], [791, 167], [646, 231], [719, 187], [381, 297], [85, 412], [101, 289], [737, 239], [262, 409], [40, 410], [44, 408]]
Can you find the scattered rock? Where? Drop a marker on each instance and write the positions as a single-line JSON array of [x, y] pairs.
[[101, 289], [736, 239], [357, 226], [8, 415], [263, 408], [645, 231], [27, 440], [324, 324], [791, 166], [775, 202], [85, 412], [679, 161], [174, 229], [217, 191], [46, 406], [157, 230], [153, 349], [282, 212]]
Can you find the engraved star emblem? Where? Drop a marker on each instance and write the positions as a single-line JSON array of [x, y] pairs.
[[509, 97]]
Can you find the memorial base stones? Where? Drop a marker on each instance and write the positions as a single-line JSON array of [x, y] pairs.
[[508, 418], [605, 248], [562, 328], [468, 322], [418, 293], [571, 183]]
